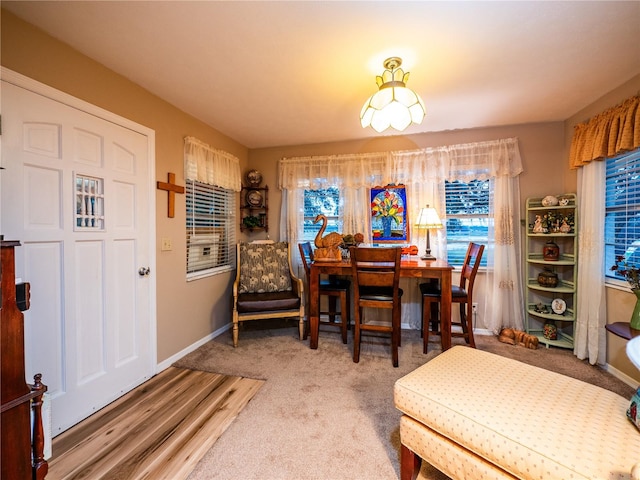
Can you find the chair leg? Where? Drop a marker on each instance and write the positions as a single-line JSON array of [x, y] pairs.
[[435, 317], [426, 304], [344, 315], [301, 325], [395, 337], [467, 323], [333, 302], [235, 334], [356, 336]]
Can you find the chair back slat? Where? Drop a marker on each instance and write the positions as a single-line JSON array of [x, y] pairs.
[[471, 264], [376, 267], [306, 254]]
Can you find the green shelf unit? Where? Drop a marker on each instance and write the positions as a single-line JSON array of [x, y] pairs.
[[564, 286], [565, 259], [568, 316], [566, 267], [563, 340]]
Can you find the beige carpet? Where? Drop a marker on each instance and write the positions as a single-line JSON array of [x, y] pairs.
[[321, 416]]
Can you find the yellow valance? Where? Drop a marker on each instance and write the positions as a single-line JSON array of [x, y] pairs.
[[607, 134]]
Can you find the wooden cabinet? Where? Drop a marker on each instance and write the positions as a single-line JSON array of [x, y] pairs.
[[551, 268], [18, 398], [254, 208]]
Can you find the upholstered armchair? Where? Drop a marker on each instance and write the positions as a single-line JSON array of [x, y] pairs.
[[265, 285]]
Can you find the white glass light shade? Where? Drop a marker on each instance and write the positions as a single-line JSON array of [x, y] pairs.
[[393, 105]]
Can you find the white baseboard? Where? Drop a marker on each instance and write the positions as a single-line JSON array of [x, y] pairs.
[[621, 376], [185, 351]]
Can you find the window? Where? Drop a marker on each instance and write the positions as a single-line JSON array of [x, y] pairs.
[[211, 229], [467, 217], [622, 211], [325, 201]]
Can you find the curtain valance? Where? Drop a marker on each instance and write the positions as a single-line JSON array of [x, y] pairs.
[[464, 162], [206, 164], [607, 134]]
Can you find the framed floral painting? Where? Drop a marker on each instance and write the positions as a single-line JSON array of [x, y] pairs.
[[389, 221]]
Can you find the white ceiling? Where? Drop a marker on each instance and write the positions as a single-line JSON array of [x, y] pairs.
[[285, 73]]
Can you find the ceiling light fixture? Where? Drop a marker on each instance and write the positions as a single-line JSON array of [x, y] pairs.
[[393, 105]]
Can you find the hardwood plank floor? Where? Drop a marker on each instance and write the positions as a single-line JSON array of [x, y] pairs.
[[159, 430]]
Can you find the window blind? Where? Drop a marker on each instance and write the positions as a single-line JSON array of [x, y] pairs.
[[467, 208], [622, 210], [211, 223], [325, 201]]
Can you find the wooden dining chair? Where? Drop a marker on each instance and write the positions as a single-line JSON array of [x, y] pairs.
[[376, 279], [334, 289], [462, 294]]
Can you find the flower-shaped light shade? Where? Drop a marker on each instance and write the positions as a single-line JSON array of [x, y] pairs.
[[393, 105]]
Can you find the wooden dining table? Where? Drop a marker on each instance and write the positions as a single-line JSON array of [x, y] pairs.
[[411, 266]]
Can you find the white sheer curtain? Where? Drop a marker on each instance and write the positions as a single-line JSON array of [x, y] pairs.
[[590, 338], [206, 164], [423, 172]]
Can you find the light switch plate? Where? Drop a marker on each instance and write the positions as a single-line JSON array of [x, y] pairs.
[[166, 245]]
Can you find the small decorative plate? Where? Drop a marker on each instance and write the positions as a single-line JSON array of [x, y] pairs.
[[558, 306], [254, 198]]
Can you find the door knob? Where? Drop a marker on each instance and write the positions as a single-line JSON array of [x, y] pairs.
[[144, 271]]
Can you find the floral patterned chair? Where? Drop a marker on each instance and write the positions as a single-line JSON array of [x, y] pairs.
[[265, 285]]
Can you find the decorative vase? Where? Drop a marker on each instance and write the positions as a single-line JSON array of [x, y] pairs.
[[386, 227], [635, 316], [550, 331], [550, 251]]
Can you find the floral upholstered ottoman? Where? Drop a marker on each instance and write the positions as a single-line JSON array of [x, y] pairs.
[[473, 414]]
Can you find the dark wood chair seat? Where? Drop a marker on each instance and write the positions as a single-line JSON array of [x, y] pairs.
[[273, 301]]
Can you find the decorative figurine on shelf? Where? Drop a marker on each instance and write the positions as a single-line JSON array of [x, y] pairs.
[[549, 201], [327, 248], [565, 227], [537, 226]]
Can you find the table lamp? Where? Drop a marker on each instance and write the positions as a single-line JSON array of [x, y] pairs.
[[427, 219]]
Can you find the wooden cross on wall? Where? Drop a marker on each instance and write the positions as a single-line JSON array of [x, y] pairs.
[[172, 188]]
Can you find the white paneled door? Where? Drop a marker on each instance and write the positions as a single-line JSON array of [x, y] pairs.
[[75, 192]]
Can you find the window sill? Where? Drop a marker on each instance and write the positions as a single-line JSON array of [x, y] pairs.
[[208, 273]]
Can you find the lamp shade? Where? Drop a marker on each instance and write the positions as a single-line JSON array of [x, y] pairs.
[[393, 105], [428, 218]]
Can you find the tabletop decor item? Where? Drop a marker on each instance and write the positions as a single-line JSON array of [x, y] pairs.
[[327, 247], [550, 331], [559, 306], [548, 278], [549, 201], [632, 275], [550, 251]]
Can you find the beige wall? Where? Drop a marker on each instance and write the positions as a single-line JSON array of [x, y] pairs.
[[620, 302], [186, 312]]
